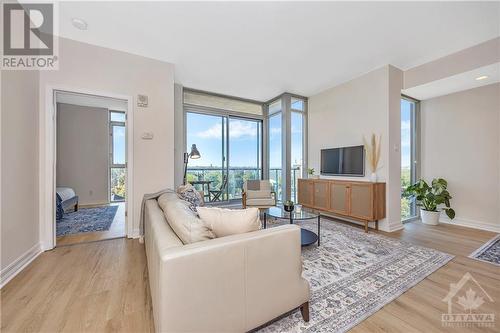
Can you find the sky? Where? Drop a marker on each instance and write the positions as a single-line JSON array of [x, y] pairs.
[[405, 133], [206, 132], [118, 144]]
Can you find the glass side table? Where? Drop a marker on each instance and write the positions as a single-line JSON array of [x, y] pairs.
[[307, 237]]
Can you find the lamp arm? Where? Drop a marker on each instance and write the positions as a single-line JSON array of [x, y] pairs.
[[186, 159]]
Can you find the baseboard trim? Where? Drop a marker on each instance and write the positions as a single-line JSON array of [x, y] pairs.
[[471, 224], [135, 234], [9, 272]]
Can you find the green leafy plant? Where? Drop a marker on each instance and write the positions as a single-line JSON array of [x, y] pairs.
[[310, 171], [431, 197], [289, 203]]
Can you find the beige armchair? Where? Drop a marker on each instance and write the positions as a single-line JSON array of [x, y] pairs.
[[258, 193]]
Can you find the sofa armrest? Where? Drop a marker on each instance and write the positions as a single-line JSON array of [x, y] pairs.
[[232, 284]]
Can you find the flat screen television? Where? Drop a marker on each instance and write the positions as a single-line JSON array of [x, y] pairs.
[[343, 161]]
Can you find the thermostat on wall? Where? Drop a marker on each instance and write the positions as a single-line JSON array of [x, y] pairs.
[[142, 101]]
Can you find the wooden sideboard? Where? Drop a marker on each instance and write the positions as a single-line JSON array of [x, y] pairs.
[[358, 200]]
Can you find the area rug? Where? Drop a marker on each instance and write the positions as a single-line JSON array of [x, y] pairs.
[[353, 274], [489, 252], [86, 220]]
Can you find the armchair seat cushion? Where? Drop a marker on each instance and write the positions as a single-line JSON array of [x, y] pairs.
[[259, 194], [260, 202]]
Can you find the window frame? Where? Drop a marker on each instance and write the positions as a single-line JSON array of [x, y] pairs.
[[111, 164], [227, 115], [414, 150]]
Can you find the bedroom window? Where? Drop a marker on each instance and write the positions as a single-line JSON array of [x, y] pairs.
[[118, 163]]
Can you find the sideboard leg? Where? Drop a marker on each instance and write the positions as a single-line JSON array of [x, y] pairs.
[[366, 226], [376, 225]]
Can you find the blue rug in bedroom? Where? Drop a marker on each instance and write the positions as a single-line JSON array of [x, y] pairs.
[[86, 220]]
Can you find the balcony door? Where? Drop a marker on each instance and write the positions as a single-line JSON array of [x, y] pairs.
[[230, 147], [245, 153]]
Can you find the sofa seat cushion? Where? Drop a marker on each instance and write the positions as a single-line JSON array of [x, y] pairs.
[[225, 222], [183, 221], [261, 202]]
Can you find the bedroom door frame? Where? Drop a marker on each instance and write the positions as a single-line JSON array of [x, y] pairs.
[[48, 156]]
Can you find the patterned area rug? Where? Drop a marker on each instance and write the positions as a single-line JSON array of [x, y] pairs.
[[86, 220], [353, 274], [489, 252]]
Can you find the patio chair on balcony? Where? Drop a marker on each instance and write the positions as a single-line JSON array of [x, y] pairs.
[[216, 195], [258, 193]]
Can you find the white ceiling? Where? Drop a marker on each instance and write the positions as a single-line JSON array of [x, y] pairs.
[[455, 83], [258, 50]]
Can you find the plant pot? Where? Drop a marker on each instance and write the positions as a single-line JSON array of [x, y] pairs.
[[428, 217], [288, 208]]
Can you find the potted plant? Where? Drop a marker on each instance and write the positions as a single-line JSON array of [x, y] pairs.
[[430, 198], [310, 172], [288, 205]]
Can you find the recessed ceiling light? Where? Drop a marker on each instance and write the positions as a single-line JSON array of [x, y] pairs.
[[484, 77], [79, 23]]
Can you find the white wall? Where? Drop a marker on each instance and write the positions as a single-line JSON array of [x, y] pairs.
[[83, 152], [19, 176], [461, 142], [342, 115], [93, 68]]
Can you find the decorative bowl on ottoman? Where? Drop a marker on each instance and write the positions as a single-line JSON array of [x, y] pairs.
[[288, 206]]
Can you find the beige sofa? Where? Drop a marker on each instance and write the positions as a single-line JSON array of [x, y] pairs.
[[229, 284]]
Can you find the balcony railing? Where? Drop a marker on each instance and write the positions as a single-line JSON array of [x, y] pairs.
[[236, 178]]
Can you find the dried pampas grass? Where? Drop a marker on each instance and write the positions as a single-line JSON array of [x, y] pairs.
[[373, 151]]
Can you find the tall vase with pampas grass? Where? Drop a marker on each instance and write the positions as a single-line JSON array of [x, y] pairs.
[[373, 154]]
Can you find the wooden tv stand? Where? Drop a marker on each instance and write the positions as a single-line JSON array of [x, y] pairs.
[[357, 200]]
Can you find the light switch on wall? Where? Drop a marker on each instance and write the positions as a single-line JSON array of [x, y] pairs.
[[147, 136]]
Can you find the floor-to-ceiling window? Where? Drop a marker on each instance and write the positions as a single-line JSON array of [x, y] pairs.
[[297, 144], [228, 134], [287, 131], [245, 153], [409, 153], [275, 147], [207, 132]]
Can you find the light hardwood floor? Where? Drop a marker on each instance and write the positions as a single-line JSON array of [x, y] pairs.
[[102, 286], [117, 229]]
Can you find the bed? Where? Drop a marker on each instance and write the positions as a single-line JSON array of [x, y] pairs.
[[66, 199]]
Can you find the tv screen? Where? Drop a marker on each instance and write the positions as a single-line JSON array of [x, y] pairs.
[[344, 161]]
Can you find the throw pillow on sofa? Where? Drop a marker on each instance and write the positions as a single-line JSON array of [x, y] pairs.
[[189, 193], [224, 222], [183, 221]]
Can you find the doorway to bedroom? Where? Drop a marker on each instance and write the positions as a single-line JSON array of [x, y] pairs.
[[91, 168]]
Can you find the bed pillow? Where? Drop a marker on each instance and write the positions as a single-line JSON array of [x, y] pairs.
[[224, 222]]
